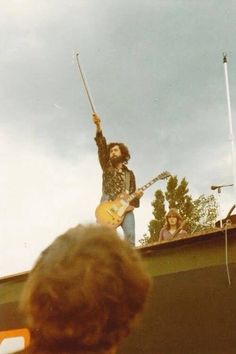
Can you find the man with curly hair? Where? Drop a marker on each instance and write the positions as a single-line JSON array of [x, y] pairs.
[[117, 178], [84, 293]]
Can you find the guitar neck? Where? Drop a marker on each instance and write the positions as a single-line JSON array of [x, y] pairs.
[[143, 188]]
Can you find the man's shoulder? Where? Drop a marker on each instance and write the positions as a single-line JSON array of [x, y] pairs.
[[125, 167], [164, 230]]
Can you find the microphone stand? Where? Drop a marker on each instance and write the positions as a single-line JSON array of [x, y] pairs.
[[219, 206], [219, 199]]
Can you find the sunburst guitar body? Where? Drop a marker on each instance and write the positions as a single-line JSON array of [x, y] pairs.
[[112, 212]]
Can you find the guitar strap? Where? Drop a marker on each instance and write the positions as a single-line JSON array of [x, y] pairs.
[[179, 228]]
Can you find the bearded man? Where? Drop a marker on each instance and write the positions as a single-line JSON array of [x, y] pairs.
[[117, 178]]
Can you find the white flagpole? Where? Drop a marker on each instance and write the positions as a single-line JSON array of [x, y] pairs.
[[231, 134]]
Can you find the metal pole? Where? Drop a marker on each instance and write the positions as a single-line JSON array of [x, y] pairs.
[[219, 207], [85, 84], [231, 134]]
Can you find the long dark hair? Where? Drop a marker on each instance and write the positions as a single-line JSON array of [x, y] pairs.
[[124, 151], [173, 212]]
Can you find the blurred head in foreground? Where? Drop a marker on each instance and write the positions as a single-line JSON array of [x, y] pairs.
[[84, 293]]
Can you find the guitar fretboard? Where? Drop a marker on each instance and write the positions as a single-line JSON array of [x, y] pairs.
[[164, 175]]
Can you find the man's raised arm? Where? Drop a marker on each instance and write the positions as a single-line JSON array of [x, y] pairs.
[[101, 143], [97, 122]]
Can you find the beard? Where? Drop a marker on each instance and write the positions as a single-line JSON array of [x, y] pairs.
[[116, 159]]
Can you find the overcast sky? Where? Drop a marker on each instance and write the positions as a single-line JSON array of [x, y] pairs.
[[156, 75]]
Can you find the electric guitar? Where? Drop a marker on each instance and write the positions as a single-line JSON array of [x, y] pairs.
[[112, 212]]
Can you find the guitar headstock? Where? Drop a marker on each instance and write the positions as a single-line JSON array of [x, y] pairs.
[[164, 175]]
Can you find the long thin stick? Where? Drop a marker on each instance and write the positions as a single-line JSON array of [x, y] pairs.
[[85, 84], [231, 136]]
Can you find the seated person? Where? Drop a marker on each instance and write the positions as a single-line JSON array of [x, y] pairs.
[[84, 293], [173, 227]]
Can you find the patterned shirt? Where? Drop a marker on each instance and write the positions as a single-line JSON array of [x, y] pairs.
[[114, 182]]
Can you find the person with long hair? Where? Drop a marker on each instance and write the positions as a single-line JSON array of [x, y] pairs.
[[84, 294], [117, 178], [173, 227]]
